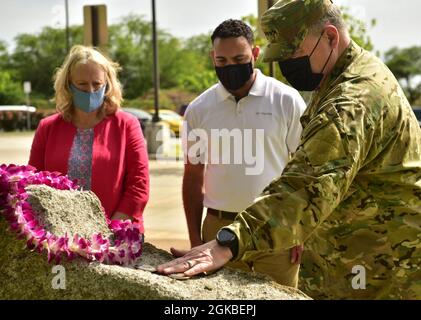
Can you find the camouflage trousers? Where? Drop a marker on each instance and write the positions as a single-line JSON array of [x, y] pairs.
[[332, 277]]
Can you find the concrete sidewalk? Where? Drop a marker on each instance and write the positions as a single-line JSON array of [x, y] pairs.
[[165, 224]]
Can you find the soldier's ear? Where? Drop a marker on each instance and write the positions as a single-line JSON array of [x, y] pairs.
[[332, 34]]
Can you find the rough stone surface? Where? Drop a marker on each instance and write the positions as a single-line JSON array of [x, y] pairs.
[[58, 211], [27, 275]]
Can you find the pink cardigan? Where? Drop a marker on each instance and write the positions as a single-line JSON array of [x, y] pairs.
[[120, 174]]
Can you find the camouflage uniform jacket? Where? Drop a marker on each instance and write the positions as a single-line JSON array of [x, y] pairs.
[[352, 191]]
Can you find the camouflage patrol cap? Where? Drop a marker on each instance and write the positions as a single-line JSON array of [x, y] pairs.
[[286, 25]]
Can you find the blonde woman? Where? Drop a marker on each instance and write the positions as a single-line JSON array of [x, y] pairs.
[[91, 139]]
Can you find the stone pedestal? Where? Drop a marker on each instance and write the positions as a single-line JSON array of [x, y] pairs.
[[28, 275]]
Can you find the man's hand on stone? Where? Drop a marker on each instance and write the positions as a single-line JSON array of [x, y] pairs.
[[178, 253], [205, 258]]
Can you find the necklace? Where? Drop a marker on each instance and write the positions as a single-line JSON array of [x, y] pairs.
[[125, 249]]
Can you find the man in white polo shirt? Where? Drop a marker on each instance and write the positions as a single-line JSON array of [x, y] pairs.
[[238, 137]]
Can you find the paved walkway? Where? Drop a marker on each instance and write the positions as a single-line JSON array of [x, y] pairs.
[[165, 223]]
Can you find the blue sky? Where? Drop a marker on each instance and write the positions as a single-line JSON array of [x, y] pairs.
[[398, 22]]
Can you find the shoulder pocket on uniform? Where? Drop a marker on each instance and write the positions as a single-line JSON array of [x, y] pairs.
[[314, 125]]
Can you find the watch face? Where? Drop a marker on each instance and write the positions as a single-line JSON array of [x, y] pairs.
[[225, 236]]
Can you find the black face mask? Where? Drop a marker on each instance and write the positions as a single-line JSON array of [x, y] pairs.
[[234, 76], [299, 74]]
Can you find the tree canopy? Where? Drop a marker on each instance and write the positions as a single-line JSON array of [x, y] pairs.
[[184, 64], [406, 66]]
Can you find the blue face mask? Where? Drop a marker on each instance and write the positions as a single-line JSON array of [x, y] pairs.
[[88, 101]]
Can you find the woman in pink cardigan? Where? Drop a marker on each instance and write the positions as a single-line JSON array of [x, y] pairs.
[[91, 139]]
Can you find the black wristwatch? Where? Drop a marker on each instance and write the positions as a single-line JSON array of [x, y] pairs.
[[227, 238]]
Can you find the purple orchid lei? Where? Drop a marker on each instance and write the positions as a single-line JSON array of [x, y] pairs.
[[127, 246]]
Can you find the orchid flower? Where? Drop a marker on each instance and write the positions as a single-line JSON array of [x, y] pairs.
[[127, 246]]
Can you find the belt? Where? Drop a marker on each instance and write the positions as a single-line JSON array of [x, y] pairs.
[[222, 214]]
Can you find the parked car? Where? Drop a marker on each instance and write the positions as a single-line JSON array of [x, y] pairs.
[[174, 120], [143, 116], [417, 111], [16, 118]]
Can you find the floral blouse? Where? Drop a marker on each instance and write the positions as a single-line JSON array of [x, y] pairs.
[[80, 160]]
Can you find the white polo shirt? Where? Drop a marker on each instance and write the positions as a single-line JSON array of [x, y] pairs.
[[244, 144]]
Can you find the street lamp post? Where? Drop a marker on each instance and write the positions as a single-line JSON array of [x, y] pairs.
[[66, 8], [27, 90], [155, 64], [271, 67]]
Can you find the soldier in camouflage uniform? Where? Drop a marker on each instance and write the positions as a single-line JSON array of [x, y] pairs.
[[352, 192]]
